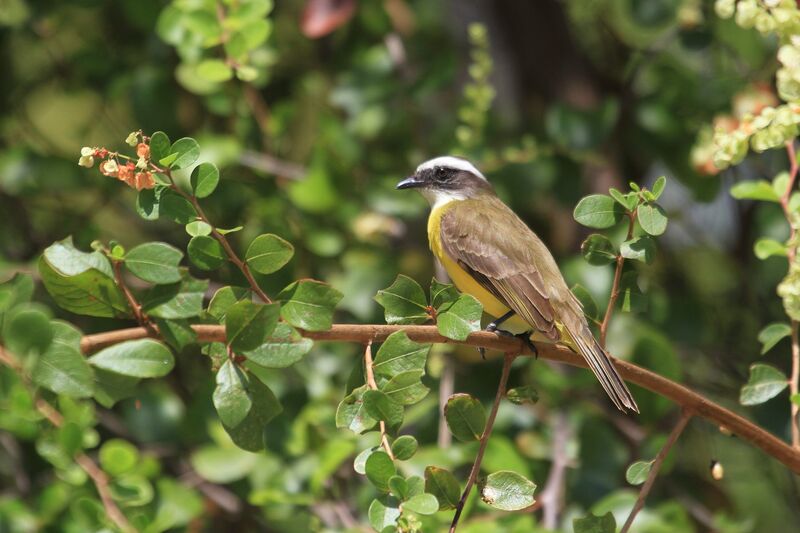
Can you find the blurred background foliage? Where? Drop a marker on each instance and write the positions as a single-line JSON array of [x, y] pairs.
[[314, 112]]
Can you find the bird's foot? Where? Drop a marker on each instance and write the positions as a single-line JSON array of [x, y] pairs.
[[524, 337]]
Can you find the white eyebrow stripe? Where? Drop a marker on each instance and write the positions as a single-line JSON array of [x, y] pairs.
[[450, 162]]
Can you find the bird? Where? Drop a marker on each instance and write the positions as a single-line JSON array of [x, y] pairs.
[[491, 254]]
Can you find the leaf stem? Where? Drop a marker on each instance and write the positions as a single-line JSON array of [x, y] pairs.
[[612, 300], [374, 386], [476, 466], [686, 415]]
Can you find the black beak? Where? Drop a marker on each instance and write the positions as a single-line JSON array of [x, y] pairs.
[[410, 182]]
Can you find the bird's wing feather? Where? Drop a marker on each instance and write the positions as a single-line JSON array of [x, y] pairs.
[[499, 252]]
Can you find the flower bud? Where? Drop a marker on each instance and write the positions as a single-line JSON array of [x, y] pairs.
[[143, 150], [109, 168]]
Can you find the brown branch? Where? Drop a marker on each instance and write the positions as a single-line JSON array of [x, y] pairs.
[[686, 415], [476, 466], [138, 314], [88, 465], [362, 333], [612, 300], [374, 386], [794, 379]]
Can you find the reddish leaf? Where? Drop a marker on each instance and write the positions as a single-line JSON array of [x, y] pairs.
[[321, 17]]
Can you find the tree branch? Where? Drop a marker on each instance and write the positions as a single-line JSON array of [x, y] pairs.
[[487, 432], [794, 379], [676, 392], [612, 300], [686, 415], [374, 386]]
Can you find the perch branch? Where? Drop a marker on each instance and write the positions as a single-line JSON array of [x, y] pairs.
[[681, 395], [88, 465], [374, 386], [794, 378], [686, 415], [487, 432]]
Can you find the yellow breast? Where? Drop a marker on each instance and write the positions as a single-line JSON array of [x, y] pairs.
[[461, 278]]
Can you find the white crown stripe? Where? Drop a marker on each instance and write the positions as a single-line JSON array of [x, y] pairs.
[[449, 161]]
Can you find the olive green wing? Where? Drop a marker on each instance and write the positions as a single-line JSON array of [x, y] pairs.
[[493, 245]]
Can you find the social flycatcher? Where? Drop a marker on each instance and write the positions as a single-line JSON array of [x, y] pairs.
[[492, 255]]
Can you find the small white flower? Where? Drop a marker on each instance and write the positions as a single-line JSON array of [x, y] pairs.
[[86, 161], [141, 164], [132, 139], [87, 151]]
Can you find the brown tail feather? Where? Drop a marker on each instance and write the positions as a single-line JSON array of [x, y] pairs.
[[601, 364]]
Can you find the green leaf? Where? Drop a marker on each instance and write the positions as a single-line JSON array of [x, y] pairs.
[[628, 201], [598, 250], [175, 207], [62, 368], [177, 505], [81, 283], [282, 348], [598, 211], [442, 484], [141, 358], [17, 290], [224, 298], [632, 298], [156, 262], [382, 517], [442, 293], [398, 487], [765, 383], [198, 228], [404, 447], [250, 433], [359, 463], [525, 394], [223, 465], [110, 387], [595, 524], [772, 335], [231, 396], [400, 354], [403, 302], [658, 186], [507, 491], [380, 407], [586, 299], [406, 388], [766, 248], [639, 248], [177, 333], [458, 319], [465, 416], [247, 324], [206, 253], [118, 456], [309, 304], [755, 190], [27, 329], [148, 202], [351, 413], [425, 504], [186, 151], [204, 179], [652, 219], [268, 253], [214, 70], [379, 468], [176, 301], [637, 472], [159, 146]]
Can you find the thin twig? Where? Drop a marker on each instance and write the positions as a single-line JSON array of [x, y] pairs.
[[446, 388], [88, 465], [138, 314], [794, 379], [550, 497], [686, 415], [361, 333], [374, 386], [612, 300], [476, 466]]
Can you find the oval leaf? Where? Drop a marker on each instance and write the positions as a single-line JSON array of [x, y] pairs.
[[652, 219], [444, 485], [156, 262], [598, 250], [403, 302], [185, 151], [458, 319], [465, 417], [772, 335], [379, 469], [268, 253], [637, 473], [598, 211], [247, 324], [231, 397], [765, 383], [309, 304], [142, 358], [204, 179], [507, 491], [206, 253], [422, 504]]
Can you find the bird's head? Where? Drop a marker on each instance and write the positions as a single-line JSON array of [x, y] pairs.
[[447, 178]]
